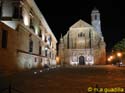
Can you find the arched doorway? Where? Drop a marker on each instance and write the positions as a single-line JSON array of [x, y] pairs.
[[81, 60]]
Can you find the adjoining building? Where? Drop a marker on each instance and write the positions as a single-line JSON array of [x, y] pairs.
[[83, 44], [26, 40]]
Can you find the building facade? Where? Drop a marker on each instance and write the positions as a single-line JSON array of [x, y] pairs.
[[26, 40], [83, 44]]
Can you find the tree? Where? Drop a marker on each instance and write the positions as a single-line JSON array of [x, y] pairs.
[[120, 46]]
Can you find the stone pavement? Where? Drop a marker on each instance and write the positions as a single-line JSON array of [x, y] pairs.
[[69, 79]]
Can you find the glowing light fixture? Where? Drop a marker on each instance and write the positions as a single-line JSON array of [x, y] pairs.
[[26, 20], [119, 54], [109, 59]]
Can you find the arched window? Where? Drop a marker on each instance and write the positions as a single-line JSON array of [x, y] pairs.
[[95, 17], [81, 34]]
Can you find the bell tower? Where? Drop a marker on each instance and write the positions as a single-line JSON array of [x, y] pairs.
[[95, 20], [61, 50]]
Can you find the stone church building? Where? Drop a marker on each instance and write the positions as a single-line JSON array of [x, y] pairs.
[[83, 44]]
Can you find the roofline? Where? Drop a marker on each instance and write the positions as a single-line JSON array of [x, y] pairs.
[[71, 27], [41, 17]]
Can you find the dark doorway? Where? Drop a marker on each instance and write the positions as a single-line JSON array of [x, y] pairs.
[[81, 60]]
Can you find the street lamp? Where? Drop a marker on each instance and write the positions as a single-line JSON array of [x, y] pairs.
[[110, 58], [119, 55]]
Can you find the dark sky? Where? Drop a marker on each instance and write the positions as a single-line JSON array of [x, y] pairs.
[[61, 14]]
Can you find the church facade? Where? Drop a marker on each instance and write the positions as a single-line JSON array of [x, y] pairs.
[[83, 44]]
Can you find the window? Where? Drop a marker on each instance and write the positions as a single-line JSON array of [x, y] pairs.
[[45, 38], [99, 42], [39, 50], [49, 39], [31, 46], [0, 9], [40, 33], [35, 59], [50, 54], [17, 10], [46, 53], [4, 39], [30, 43], [31, 24], [20, 13], [81, 34], [95, 17]]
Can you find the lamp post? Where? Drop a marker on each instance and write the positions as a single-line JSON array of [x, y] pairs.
[[119, 55]]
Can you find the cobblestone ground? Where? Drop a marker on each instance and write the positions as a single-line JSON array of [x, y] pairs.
[[69, 79]]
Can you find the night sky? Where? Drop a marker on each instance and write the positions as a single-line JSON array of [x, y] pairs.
[[61, 14]]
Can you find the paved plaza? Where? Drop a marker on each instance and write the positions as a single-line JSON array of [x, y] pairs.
[[67, 79]]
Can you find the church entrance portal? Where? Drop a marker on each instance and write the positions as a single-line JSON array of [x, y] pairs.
[[81, 60]]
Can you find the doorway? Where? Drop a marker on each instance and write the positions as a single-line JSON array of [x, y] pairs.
[[81, 60]]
